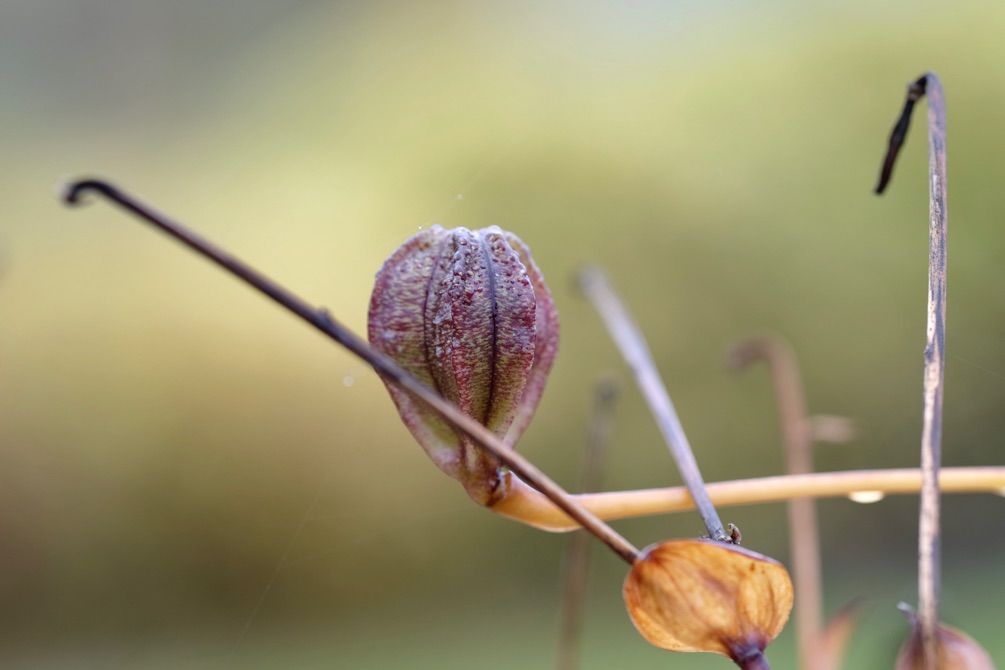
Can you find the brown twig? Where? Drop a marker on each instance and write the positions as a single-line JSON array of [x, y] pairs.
[[931, 435], [577, 552], [635, 351], [385, 366]]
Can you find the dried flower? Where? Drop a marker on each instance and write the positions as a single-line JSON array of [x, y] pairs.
[[954, 649], [468, 313], [699, 595]]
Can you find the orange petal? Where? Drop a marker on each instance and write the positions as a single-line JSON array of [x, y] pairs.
[[699, 595]]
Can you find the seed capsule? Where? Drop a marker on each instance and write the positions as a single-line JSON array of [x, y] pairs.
[[700, 595], [954, 649], [468, 313]]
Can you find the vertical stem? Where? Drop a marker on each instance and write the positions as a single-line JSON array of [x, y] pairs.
[[636, 352], [757, 661], [931, 434], [804, 536], [577, 553]]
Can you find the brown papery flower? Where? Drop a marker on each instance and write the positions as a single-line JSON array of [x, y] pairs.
[[699, 595]]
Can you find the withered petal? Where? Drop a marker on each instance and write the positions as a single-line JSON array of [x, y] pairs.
[[698, 595], [836, 634]]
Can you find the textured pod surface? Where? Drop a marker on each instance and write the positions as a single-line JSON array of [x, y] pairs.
[[698, 595], [954, 649], [468, 313]]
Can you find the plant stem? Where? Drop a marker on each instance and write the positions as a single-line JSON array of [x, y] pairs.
[[526, 505], [931, 433], [755, 662], [384, 366], [804, 533], [635, 351], [577, 553]]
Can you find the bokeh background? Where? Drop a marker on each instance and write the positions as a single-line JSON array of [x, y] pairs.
[[191, 478]]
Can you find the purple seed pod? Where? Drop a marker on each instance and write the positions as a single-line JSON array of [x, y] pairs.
[[468, 313]]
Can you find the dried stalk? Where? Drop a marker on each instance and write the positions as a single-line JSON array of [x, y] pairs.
[[931, 434], [635, 351], [804, 533], [528, 506], [576, 569]]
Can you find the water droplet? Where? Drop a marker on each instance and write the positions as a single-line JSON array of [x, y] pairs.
[[348, 381], [866, 497]]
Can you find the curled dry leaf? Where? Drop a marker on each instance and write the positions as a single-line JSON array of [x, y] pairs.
[[954, 649], [698, 595], [836, 635], [468, 313]]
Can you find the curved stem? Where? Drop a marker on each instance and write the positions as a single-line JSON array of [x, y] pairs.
[[804, 534], [931, 432], [528, 506], [384, 366]]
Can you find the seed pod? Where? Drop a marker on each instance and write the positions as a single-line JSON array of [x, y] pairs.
[[954, 649], [468, 313], [699, 595]]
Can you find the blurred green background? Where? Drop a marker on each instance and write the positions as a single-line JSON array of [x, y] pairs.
[[191, 478]]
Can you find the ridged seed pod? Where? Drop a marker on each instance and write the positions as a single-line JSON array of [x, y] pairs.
[[468, 313], [954, 649]]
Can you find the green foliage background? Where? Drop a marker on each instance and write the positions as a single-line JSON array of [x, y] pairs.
[[168, 438]]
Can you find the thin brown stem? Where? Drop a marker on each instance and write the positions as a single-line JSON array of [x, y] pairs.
[[931, 434], [384, 366], [804, 535], [635, 351], [577, 553]]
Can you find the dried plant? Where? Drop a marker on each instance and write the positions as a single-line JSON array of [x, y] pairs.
[[576, 563], [820, 647], [463, 332], [931, 645]]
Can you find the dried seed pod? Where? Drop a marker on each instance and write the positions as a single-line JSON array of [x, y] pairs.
[[699, 595], [468, 313], [954, 649]]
